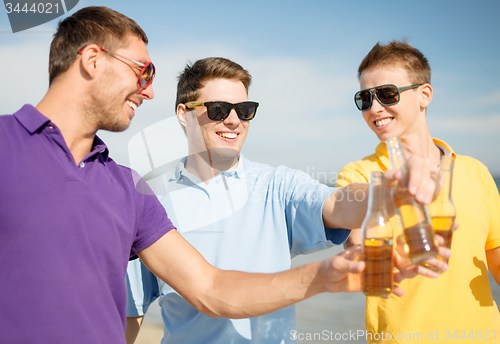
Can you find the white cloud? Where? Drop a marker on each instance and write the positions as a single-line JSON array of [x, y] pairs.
[[482, 125], [25, 72], [307, 118], [304, 112]]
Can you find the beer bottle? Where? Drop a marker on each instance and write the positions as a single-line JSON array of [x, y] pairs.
[[377, 239], [413, 216], [442, 210]]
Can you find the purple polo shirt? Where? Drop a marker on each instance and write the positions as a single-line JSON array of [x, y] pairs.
[[66, 235]]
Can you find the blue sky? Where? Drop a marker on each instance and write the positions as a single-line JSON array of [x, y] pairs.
[[303, 56]]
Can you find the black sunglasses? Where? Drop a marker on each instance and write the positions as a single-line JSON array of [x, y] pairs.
[[386, 95], [219, 111]]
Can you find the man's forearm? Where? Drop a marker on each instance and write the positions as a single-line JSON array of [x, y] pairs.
[[346, 206], [354, 238], [235, 294], [250, 295], [133, 327], [264, 293]]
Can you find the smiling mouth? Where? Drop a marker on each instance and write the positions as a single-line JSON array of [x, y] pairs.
[[231, 136], [132, 104], [383, 122]]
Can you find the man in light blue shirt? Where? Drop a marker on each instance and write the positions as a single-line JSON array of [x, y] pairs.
[[240, 215]]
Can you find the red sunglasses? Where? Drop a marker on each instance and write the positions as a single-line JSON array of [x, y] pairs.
[[148, 69]]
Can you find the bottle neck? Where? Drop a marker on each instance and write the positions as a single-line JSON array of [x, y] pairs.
[[396, 155], [446, 170], [376, 193]]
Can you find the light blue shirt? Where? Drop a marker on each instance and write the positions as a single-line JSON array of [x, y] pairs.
[[254, 218]]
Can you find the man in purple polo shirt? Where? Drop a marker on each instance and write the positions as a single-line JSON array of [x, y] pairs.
[[71, 218]]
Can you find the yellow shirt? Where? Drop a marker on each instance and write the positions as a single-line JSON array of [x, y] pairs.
[[457, 306]]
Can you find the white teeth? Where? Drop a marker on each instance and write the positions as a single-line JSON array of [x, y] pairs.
[[132, 105], [228, 135], [383, 122]]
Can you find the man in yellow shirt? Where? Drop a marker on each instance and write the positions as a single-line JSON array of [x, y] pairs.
[[395, 92]]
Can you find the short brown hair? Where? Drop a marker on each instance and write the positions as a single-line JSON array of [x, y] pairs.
[[194, 76], [399, 53], [100, 25]]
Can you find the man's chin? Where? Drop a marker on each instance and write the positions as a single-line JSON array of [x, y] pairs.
[[116, 127], [224, 153]]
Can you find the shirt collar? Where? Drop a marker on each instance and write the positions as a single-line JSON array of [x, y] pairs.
[[98, 146], [180, 170], [445, 148], [239, 171], [381, 151], [383, 156], [33, 120]]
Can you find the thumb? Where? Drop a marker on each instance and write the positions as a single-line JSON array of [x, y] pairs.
[[341, 264]]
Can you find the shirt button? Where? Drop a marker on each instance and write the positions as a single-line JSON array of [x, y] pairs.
[[82, 164]]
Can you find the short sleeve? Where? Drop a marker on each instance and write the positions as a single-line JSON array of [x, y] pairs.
[[304, 198], [142, 288], [153, 222], [349, 174], [493, 240]]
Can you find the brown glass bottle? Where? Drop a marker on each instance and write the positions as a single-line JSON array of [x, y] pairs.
[[413, 216], [377, 239]]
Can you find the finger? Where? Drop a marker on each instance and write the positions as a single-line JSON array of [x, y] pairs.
[[444, 252], [397, 257], [397, 277], [342, 264], [358, 267], [426, 189], [423, 179], [352, 253], [397, 291], [439, 239], [415, 174], [400, 260], [428, 272], [392, 175]]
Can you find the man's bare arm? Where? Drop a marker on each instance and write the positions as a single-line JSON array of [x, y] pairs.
[[133, 327], [235, 294], [493, 260], [346, 206]]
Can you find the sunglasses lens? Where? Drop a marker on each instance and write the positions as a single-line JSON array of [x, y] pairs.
[[147, 75], [218, 111], [246, 110], [388, 95], [363, 100]]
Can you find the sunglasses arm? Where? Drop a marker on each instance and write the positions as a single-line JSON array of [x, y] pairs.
[[194, 104]]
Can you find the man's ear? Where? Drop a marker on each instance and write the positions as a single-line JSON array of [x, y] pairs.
[[425, 95], [182, 115], [89, 60]]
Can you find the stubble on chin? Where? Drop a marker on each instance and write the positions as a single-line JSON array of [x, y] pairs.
[[103, 114]]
